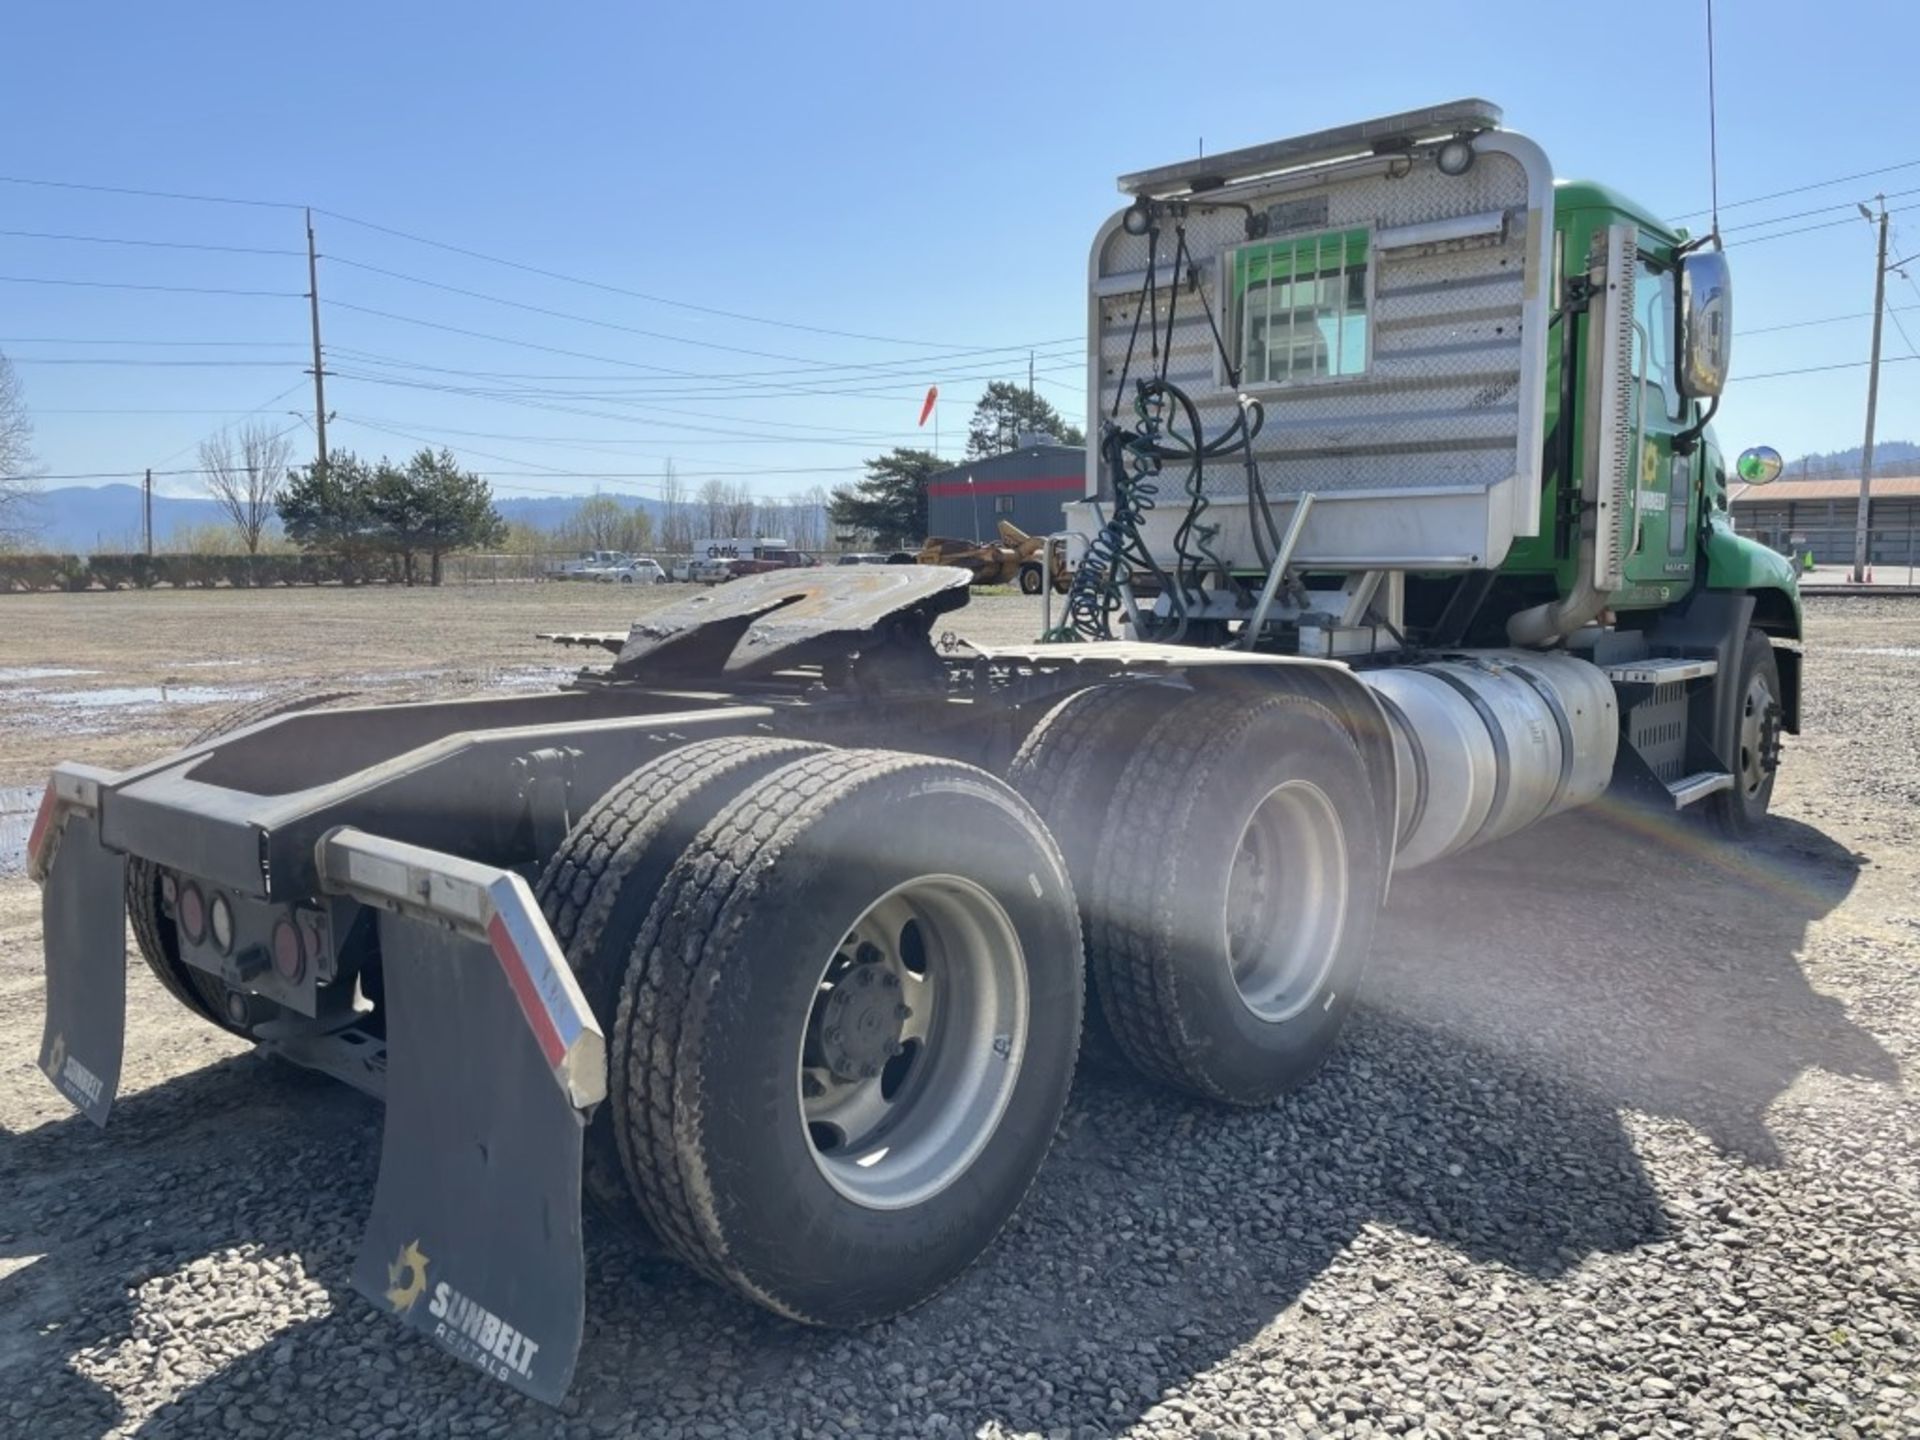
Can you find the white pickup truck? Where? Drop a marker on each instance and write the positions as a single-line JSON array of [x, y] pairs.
[[589, 564]]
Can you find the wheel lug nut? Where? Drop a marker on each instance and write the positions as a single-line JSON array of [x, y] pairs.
[[869, 1070], [896, 1048], [890, 980], [866, 975], [903, 1012], [833, 1034]]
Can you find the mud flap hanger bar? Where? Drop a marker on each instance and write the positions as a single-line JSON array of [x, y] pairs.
[[490, 905], [493, 1063]]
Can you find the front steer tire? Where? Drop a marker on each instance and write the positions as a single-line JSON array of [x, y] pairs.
[[720, 1001], [1754, 746]]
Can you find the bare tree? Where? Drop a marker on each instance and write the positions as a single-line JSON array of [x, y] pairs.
[[738, 504], [16, 459], [245, 473], [674, 522], [713, 506]]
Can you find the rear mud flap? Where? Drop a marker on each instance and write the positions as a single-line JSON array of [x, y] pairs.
[[475, 1235], [83, 910]]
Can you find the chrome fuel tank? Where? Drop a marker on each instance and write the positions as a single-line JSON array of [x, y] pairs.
[[1490, 741]]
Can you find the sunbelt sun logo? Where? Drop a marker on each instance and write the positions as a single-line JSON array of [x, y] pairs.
[[461, 1323]]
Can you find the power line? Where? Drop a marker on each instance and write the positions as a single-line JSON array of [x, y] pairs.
[[1823, 320], [596, 321], [168, 289], [1819, 369], [1846, 205], [900, 390], [152, 244], [147, 194], [622, 290], [1803, 189], [241, 344], [910, 372], [125, 362]]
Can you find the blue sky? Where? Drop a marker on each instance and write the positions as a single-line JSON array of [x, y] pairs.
[[910, 174]]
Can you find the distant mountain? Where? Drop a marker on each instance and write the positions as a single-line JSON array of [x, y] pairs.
[[80, 519], [1890, 457]]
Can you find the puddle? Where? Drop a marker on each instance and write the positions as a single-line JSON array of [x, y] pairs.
[[18, 803], [14, 674], [128, 697]]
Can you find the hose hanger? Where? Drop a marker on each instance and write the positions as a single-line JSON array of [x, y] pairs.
[[1167, 429]]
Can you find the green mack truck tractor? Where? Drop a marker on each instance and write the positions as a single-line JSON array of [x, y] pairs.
[[777, 930]]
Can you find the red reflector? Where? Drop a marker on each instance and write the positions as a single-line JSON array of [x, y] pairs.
[[42, 831], [289, 955], [192, 914]]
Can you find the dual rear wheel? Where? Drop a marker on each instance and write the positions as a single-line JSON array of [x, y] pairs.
[[842, 994], [843, 989]]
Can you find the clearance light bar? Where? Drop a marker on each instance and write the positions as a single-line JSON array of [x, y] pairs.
[[496, 908], [1388, 134]]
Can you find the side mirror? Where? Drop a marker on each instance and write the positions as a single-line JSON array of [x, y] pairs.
[[1760, 465], [1706, 324]]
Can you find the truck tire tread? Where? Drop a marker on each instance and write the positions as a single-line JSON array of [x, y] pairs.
[[1130, 898], [660, 1097]]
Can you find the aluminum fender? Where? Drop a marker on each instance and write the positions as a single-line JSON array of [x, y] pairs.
[[83, 910], [1329, 681], [493, 1064]]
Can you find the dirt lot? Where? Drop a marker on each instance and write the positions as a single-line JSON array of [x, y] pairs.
[[1621, 1143]]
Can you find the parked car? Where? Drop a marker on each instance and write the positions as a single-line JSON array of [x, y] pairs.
[[588, 564], [766, 559], [709, 572], [641, 570]]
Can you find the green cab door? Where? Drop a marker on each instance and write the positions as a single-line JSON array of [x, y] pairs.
[[1666, 493]]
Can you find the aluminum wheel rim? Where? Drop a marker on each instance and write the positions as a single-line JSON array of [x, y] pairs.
[[895, 1107], [1286, 902], [1756, 710]]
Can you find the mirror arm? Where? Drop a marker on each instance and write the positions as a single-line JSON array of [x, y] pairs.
[[1687, 440]]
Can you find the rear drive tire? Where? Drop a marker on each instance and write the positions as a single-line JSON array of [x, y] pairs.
[[596, 890], [154, 932], [1229, 935], [1754, 746], [1068, 768], [1031, 580], [755, 1068]]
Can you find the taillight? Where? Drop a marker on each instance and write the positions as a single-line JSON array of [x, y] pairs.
[[191, 912], [220, 922], [289, 952]]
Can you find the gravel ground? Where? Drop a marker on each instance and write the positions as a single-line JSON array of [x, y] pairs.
[[1619, 1144]]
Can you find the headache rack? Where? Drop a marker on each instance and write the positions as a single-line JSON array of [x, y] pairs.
[[1372, 303]]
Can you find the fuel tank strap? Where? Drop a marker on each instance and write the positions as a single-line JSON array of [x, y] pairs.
[[1418, 810], [1551, 697], [1502, 757]]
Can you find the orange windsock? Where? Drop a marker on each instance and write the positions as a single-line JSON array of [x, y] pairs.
[[926, 406]]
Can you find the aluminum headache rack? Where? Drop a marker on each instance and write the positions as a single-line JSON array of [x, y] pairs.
[[1382, 291]]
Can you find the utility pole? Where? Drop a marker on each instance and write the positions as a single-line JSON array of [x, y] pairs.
[[1030, 372], [319, 375], [147, 528], [1873, 398]]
